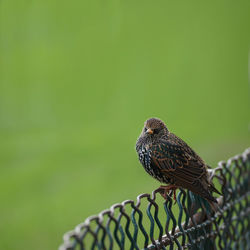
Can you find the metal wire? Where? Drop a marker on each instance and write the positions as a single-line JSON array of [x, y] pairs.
[[151, 223]]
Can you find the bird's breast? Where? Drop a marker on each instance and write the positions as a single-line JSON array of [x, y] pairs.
[[146, 160], [145, 157]]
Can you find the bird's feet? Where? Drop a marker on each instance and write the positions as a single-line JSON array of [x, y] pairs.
[[168, 190]]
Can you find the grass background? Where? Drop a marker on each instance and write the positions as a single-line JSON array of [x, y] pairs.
[[77, 81]]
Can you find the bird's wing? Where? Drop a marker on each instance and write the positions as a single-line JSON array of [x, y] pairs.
[[178, 162]]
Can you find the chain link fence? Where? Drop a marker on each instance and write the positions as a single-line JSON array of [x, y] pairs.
[[152, 223]]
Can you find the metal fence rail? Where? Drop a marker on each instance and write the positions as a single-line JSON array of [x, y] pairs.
[[152, 223]]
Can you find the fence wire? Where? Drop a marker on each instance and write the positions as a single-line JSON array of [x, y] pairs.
[[152, 223]]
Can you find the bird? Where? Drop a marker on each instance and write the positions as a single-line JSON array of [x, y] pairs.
[[170, 160]]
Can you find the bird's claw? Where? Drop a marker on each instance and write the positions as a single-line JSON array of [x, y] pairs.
[[167, 192]]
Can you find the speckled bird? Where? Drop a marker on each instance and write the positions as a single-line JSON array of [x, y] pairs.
[[171, 161]]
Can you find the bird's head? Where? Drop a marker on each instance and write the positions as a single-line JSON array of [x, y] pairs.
[[154, 128]]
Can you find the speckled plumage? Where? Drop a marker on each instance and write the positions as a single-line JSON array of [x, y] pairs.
[[170, 160]]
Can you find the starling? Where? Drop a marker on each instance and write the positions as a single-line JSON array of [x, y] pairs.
[[171, 161]]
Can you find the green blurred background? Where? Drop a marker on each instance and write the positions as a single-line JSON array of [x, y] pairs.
[[77, 81]]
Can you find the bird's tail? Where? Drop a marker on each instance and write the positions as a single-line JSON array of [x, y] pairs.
[[209, 203], [214, 206], [212, 201], [213, 189]]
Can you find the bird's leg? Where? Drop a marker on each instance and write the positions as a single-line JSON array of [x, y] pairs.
[[167, 189], [173, 191], [163, 193]]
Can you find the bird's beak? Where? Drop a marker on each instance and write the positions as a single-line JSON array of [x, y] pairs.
[[149, 131]]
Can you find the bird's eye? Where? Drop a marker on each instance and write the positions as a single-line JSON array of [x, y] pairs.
[[145, 129], [156, 131]]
